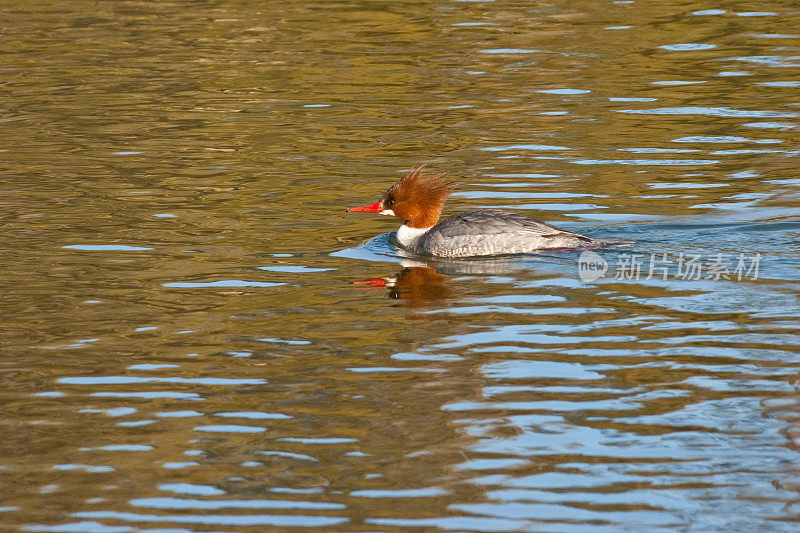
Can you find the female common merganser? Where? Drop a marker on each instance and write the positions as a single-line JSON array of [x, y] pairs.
[[418, 199]]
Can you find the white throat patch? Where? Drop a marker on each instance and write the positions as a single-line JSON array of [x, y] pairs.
[[408, 236]]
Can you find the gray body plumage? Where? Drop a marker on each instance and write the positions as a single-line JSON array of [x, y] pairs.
[[496, 232]]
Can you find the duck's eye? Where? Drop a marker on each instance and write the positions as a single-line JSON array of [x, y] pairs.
[[389, 203]]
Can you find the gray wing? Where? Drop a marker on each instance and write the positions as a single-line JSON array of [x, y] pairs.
[[497, 221], [494, 231]]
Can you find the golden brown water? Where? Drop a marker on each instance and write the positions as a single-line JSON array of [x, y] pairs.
[[185, 346]]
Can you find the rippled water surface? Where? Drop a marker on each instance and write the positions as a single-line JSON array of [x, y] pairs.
[[197, 337]]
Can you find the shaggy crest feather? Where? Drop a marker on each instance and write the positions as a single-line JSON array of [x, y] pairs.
[[418, 198]]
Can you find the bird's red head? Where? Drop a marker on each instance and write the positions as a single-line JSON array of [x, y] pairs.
[[417, 199]]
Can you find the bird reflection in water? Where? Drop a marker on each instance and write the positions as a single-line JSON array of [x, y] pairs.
[[416, 285], [423, 282]]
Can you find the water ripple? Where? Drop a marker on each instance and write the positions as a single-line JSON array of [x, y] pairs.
[[185, 503], [710, 111], [118, 380], [220, 520], [221, 283]]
